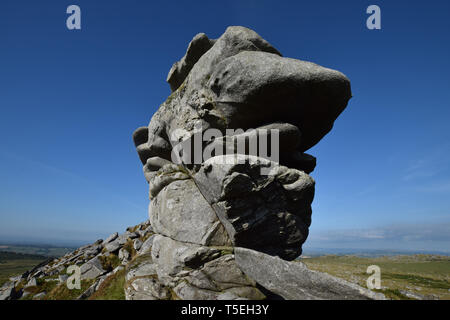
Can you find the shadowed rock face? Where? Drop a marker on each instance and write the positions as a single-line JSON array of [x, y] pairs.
[[238, 82]]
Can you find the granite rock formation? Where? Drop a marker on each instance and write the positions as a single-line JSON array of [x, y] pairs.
[[229, 185], [212, 214]]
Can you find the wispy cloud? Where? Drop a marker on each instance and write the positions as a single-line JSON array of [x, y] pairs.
[[429, 165], [435, 187], [394, 235], [430, 172]]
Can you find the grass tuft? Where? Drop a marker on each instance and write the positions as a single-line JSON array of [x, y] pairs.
[[61, 292], [112, 288], [110, 262]]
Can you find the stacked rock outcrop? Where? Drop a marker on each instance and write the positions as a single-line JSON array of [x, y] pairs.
[[223, 219], [229, 185]]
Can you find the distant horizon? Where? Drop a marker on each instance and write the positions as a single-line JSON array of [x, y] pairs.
[[431, 237], [307, 250], [311, 245]]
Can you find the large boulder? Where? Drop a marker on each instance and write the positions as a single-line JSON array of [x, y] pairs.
[[269, 213], [181, 213], [294, 281], [187, 271]]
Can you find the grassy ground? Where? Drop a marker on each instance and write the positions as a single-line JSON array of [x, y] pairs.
[[61, 292], [112, 288], [12, 264], [47, 251], [42, 286], [426, 275]]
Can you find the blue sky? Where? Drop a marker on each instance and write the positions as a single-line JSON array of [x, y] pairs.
[[70, 101]]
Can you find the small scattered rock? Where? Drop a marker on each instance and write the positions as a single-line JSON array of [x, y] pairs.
[[92, 269], [137, 244], [147, 245], [113, 247], [124, 255], [111, 238], [39, 295], [31, 283], [63, 278]]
